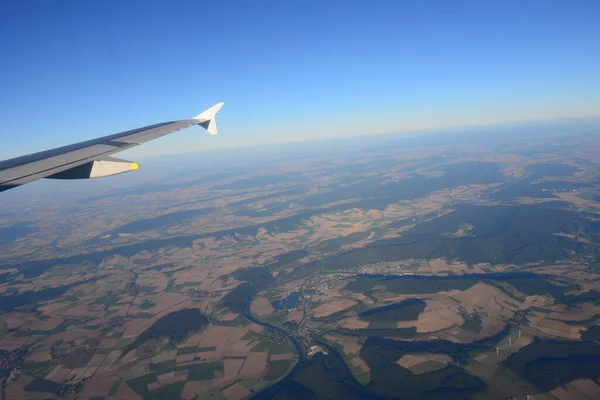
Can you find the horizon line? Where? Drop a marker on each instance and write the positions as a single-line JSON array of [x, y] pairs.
[[378, 135]]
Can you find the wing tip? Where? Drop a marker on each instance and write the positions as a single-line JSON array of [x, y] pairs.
[[209, 113], [206, 118]]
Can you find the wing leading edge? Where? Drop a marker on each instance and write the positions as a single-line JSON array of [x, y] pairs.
[[91, 159]]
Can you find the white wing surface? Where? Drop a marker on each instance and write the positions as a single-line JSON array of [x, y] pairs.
[[91, 159]]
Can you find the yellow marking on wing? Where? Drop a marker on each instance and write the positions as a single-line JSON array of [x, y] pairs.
[[134, 166]]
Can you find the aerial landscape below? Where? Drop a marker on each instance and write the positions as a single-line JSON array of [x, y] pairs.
[[299, 200], [411, 268]]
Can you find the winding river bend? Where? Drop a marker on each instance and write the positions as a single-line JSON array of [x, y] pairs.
[[331, 369], [346, 377], [252, 318], [299, 349]]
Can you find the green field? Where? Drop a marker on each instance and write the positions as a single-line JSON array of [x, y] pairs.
[[189, 350], [275, 348], [163, 367], [114, 388], [277, 369], [382, 325], [427, 366], [205, 371], [139, 384]]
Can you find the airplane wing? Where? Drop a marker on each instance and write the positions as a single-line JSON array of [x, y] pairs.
[[91, 159]]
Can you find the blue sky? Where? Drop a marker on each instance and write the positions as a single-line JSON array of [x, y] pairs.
[[288, 70]]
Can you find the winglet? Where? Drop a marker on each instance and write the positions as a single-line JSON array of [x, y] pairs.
[[206, 119]]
